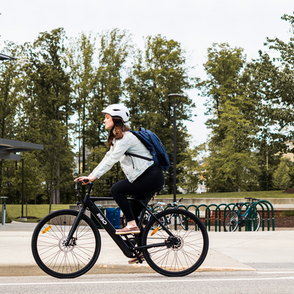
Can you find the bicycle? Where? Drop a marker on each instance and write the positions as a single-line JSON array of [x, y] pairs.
[[233, 218], [66, 243]]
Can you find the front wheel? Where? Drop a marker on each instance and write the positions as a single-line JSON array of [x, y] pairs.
[[59, 259], [231, 221], [179, 253]]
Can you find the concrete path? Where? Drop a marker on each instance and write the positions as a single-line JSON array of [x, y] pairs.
[[268, 250]]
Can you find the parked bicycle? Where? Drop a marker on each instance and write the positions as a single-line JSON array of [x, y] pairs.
[[158, 207], [153, 207], [234, 218], [66, 243]]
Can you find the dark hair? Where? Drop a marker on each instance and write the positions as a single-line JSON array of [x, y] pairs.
[[117, 130]]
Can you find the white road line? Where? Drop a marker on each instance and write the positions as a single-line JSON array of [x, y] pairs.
[[147, 281]]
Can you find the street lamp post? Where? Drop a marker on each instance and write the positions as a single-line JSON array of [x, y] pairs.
[[175, 100], [22, 189]]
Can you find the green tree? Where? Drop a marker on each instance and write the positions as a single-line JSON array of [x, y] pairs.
[[231, 166], [191, 170], [271, 84], [82, 76], [47, 106], [156, 74], [281, 176], [223, 68], [9, 88]]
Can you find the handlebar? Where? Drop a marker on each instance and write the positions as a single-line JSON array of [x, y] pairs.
[[176, 202], [77, 187], [252, 199]]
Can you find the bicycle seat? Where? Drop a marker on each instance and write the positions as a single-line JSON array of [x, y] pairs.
[[240, 203]]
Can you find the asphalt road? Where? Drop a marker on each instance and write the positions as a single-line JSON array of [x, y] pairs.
[[198, 282]]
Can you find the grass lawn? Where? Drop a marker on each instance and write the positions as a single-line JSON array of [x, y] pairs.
[[36, 210]]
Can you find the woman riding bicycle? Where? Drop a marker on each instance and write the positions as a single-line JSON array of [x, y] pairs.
[[142, 176]]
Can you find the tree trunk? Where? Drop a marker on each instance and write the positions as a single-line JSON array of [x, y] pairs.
[[57, 190]]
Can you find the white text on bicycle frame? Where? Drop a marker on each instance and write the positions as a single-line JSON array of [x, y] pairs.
[[102, 219]]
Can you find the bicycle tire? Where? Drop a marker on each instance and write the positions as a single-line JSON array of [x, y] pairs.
[[61, 261], [231, 221], [188, 251], [257, 220]]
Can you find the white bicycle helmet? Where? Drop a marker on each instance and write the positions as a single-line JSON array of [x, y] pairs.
[[118, 110]]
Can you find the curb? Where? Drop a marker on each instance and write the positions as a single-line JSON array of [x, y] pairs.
[[34, 270]]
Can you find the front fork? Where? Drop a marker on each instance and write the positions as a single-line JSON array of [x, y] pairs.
[[74, 226]]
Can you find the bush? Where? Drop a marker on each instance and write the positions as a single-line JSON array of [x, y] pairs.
[[287, 213]]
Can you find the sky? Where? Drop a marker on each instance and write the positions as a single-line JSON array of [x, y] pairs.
[[196, 24]]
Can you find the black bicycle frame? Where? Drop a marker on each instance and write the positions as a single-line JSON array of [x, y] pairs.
[[88, 202]]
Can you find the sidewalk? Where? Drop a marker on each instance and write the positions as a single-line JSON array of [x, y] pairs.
[[268, 250]]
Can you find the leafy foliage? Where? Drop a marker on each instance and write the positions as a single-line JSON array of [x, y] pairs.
[[231, 166], [281, 176]]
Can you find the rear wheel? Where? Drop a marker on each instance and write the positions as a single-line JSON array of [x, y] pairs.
[[59, 259], [180, 254], [231, 221]]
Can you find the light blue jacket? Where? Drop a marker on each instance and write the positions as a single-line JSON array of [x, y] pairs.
[[132, 166]]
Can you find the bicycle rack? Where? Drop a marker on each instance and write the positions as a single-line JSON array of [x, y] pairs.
[[263, 206], [266, 203], [219, 220]]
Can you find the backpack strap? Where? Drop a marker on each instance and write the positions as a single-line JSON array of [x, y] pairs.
[[139, 156]]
